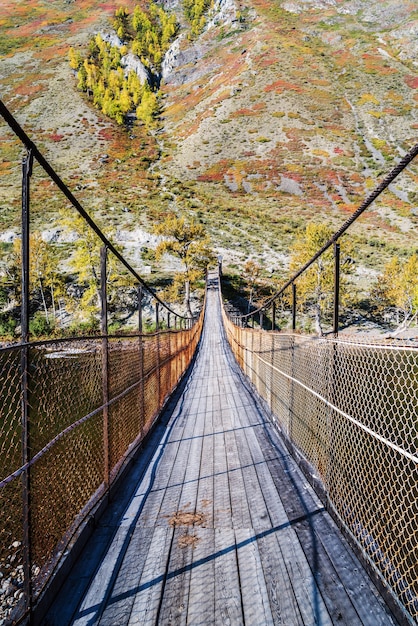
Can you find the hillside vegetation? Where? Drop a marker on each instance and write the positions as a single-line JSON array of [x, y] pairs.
[[272, 115]]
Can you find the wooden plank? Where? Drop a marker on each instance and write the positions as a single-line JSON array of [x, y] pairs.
[[271, 496], [296, 494], [174, 604], [255, 600], [283, 602], [158, 493], [222, 509], [301, 584], [299, 570], [228, 604], [201, 607], [174, 448], [241, 517], [337, 560], [305, 588], [164, 502], [335, 597], [90, 609], [205, 496], [147, 600], [119, 605], [190, 481], [260, 519], [300, 502]]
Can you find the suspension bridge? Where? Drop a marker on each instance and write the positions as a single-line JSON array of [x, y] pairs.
[[210, 471], [221, 528]]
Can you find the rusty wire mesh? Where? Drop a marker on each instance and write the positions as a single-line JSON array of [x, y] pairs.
[[72, 410], [68, 433], [351, 408], [11, 507]]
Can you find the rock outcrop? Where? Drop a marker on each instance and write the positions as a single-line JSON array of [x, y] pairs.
[[130, 62]]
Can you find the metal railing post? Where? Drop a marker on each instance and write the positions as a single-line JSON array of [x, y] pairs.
[[105, 361], [336, 287], [292, 344], [293, 306], [141, 363], [27, 166], [140, 308], [271, 386], [157, 329], [252, 356], [177, 350]]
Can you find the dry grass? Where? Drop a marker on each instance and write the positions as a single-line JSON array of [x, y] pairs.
[[281, 119]]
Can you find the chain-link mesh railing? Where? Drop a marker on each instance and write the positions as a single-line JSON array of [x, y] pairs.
[[75, 452], [351, 408], [74, 409]]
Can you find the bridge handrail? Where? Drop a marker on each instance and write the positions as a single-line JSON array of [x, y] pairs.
[[108, 393], [347, 409], [74, 411]]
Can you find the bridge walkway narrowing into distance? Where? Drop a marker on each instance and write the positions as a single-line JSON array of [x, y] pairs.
[[220, 527]]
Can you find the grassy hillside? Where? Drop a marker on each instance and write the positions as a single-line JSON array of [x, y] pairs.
[[279, 113], [289, 117]]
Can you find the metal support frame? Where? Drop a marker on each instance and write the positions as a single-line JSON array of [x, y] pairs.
[[294, 295], [27, 167], [140, 293], [105, 361], [157, 330], [141, 363], [336, 287]]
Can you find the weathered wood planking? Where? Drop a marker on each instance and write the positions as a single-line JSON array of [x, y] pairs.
[[228, 605], [147, 598], [175, 600], [222, 528], [118, 608]]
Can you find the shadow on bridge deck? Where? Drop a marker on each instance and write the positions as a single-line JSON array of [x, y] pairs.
[[218, 526]]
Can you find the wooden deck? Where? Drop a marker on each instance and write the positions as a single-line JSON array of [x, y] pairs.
[[218, 526]]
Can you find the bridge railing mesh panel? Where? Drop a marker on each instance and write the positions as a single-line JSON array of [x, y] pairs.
[[351, 409], [77, 442]]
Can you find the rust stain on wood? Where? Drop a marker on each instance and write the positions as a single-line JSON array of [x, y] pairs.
[[187, 518]]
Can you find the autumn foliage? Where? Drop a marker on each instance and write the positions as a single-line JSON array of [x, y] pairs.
[[101, 74]]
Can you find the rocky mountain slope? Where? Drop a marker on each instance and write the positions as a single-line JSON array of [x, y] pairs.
[[279, 113]]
